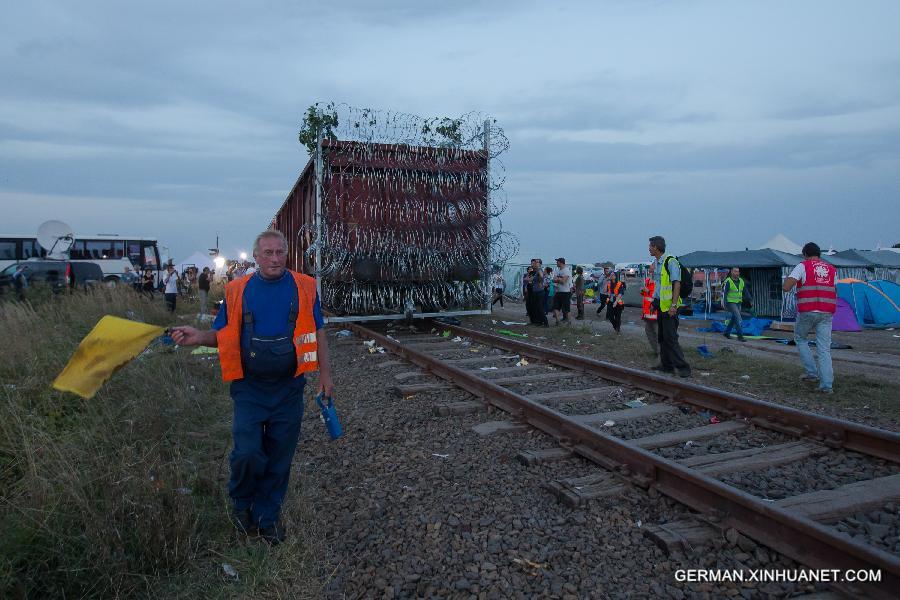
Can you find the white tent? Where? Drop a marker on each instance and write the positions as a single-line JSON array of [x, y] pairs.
[[198, 259], [783, 244]]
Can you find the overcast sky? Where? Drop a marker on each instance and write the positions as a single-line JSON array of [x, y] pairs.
[[716, 124]]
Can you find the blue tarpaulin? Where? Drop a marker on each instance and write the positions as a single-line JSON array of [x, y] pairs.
[[754, 326]]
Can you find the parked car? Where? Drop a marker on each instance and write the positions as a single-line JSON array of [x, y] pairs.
[[629, 269], [59, 275]]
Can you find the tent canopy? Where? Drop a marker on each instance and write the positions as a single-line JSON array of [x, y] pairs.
[[739, 258], [875, 303], [844, 317], [872, 258], [782, 244], [748, 259], [199, 260]]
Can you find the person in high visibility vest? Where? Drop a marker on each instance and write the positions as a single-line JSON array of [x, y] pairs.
[[648, 313], [816, 305], [666, 300], [616, 300], [734, 292], [270, 332]]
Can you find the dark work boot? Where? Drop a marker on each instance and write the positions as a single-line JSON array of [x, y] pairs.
[[273, 534], [243, 521]]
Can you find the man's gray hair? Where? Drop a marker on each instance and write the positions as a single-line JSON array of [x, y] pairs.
[[269, 233]]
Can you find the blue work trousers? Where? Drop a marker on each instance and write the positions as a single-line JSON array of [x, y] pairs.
[[266, 430]]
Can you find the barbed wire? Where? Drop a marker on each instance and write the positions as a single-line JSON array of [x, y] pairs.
[[406, 217]]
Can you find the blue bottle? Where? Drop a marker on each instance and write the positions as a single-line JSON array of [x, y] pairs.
[[329, 416]]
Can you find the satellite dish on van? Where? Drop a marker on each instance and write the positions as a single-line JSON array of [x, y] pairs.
[[56, 238]]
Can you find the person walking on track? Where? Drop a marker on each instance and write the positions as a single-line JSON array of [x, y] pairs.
[[270, 333]]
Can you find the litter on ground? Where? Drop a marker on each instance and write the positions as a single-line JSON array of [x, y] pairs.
[[512, 333], [230, 571], [204, 350]]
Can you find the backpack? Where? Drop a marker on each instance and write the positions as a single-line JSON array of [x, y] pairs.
[[687, 282]]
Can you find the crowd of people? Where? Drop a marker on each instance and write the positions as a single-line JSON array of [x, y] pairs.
[[192, 283], [550, 289]]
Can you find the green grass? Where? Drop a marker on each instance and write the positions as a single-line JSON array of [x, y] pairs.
[[124, 495], [856, 397]]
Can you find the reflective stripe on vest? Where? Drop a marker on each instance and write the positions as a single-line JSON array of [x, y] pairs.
[[734, 293], [229, 337], [818, 293], [665, 283], [647, 311]]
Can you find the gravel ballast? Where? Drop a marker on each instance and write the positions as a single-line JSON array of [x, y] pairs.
[[416, 505]]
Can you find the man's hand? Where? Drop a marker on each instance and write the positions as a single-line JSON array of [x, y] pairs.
[[325, 384], [189, 336], [673, 310]]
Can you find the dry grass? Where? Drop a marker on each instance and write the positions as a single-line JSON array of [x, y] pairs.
[[123, 495]]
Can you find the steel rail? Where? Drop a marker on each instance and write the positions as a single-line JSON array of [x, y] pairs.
[[799, 538], [833, 432]]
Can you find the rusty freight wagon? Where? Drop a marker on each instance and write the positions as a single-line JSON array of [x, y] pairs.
[[392, 230]]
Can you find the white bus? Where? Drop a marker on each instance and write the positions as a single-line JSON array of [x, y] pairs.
[[111, 252]]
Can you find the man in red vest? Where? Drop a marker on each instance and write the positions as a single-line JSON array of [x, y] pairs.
[[816, 303], [270, 332], [648, 313]]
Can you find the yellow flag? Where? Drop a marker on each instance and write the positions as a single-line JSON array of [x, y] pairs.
[[110, 344]]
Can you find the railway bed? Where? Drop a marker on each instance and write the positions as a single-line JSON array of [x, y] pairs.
[[662, 442]]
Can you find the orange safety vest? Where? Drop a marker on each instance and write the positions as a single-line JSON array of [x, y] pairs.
[[612, 293], [229, 337], [647, 311]]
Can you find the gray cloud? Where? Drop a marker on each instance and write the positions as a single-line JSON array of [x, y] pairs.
[[180, 119]]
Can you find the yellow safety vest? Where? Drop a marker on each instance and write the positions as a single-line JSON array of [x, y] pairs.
[[734, 293], [665, 283]]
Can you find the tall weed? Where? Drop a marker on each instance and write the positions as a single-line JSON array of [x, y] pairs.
[[121, 495]]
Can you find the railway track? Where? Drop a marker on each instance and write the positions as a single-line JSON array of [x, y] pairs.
[[726, 456]]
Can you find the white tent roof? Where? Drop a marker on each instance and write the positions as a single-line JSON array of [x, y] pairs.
[[199, 260], [780, 242]]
